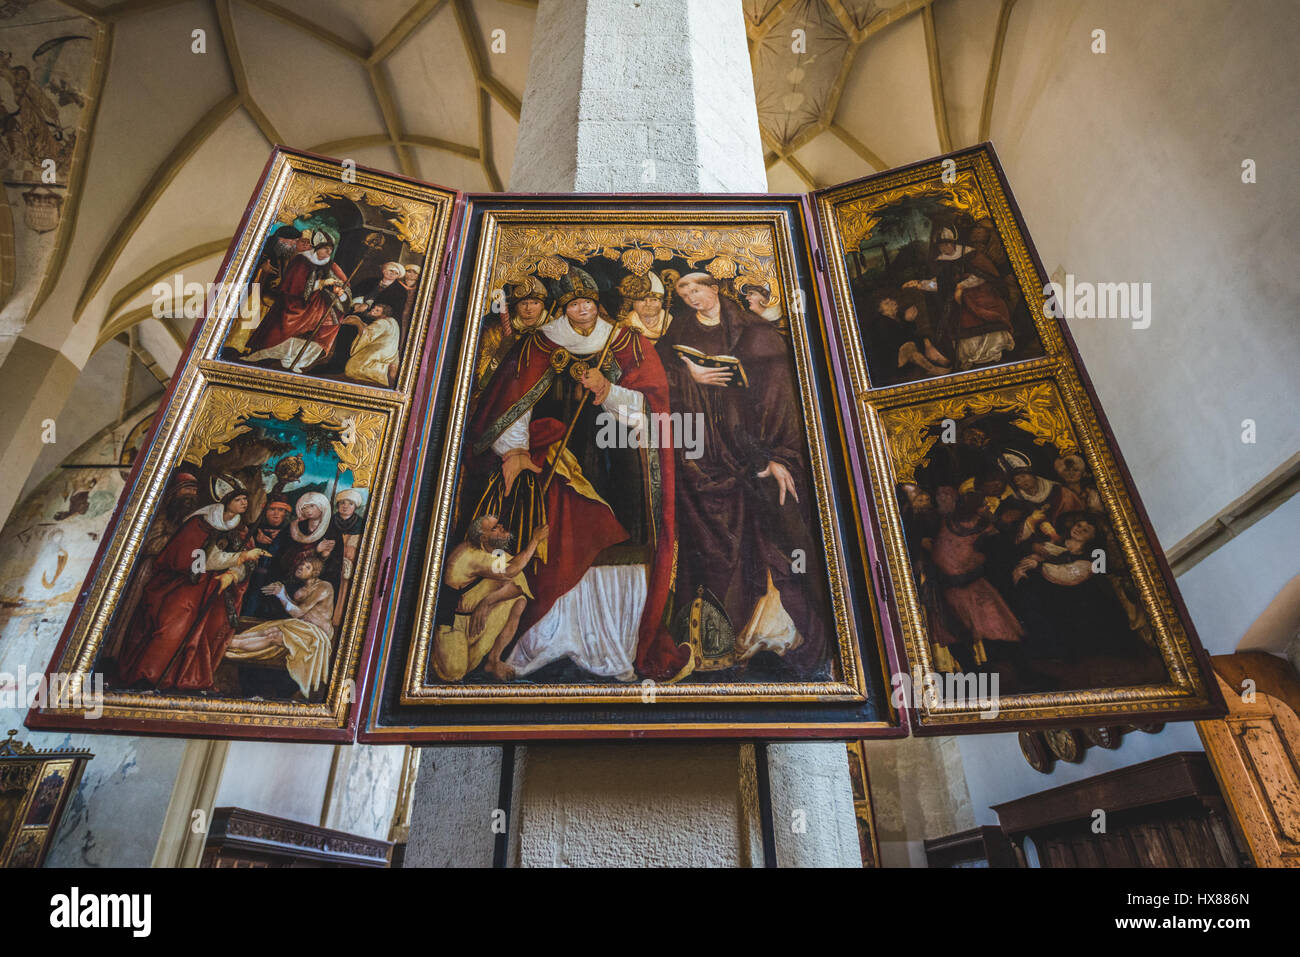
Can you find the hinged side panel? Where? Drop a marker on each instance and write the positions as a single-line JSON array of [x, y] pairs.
[[233, 593], [1026, 580]]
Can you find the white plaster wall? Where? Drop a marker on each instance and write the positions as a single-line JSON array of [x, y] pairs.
[[115, 817], [1127, 167], [1227, 591], [284, 780], [918, 791]]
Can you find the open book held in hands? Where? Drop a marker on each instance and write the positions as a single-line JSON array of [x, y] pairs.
[[717, 362]]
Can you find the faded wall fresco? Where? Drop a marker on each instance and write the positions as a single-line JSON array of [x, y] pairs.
[[48, 87], [46, 548]]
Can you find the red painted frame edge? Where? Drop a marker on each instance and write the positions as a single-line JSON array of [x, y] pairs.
[[877, 572]]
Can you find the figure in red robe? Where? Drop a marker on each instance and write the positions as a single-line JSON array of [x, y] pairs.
[[600, 583], [185, 619], [299, 330], [959, 559], [972, 302]]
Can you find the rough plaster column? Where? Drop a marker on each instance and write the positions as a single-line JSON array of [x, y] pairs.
[[456, 794], [637, 96]]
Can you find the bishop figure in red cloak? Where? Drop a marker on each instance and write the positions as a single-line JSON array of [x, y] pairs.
[[600, 582]]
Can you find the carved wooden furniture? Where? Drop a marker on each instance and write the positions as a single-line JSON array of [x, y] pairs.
[[239, 838], [978, 847], [1042, 749], [1166, 812], [1255, 753], [35, 786]]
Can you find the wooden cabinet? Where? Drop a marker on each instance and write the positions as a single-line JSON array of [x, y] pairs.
[[1166, 812], [1255, 753], [240, 838], [977, 847]]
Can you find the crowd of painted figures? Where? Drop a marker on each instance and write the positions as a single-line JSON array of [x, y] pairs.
[[1017, 568], [616, 543], [323, 321], [948, 307], [255, 577]]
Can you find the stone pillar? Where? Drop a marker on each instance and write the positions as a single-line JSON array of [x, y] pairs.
[[637, 96], [456, 794], [39, 380]]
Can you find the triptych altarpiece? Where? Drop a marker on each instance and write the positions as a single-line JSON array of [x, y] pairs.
[[449, 467]]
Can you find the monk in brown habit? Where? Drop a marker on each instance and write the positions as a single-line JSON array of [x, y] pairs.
[[744, 503]]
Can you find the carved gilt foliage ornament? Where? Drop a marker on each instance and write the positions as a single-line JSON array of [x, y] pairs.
[[743, 253], [858, 219], [1037, 407], [411, 219], [222, 417]]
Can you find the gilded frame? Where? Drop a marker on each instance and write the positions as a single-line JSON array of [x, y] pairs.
[[288, 182], [403, 705], [883, 410], [22, 765], [291, 184]]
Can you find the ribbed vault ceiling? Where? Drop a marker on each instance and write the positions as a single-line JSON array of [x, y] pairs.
[[416, 86]]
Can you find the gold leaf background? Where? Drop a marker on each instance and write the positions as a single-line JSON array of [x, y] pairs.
[[413, 220], [524, 250], [857, 219]]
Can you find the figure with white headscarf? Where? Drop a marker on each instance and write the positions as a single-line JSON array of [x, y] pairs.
[[311, 532], [187, 611], [385, 290]]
